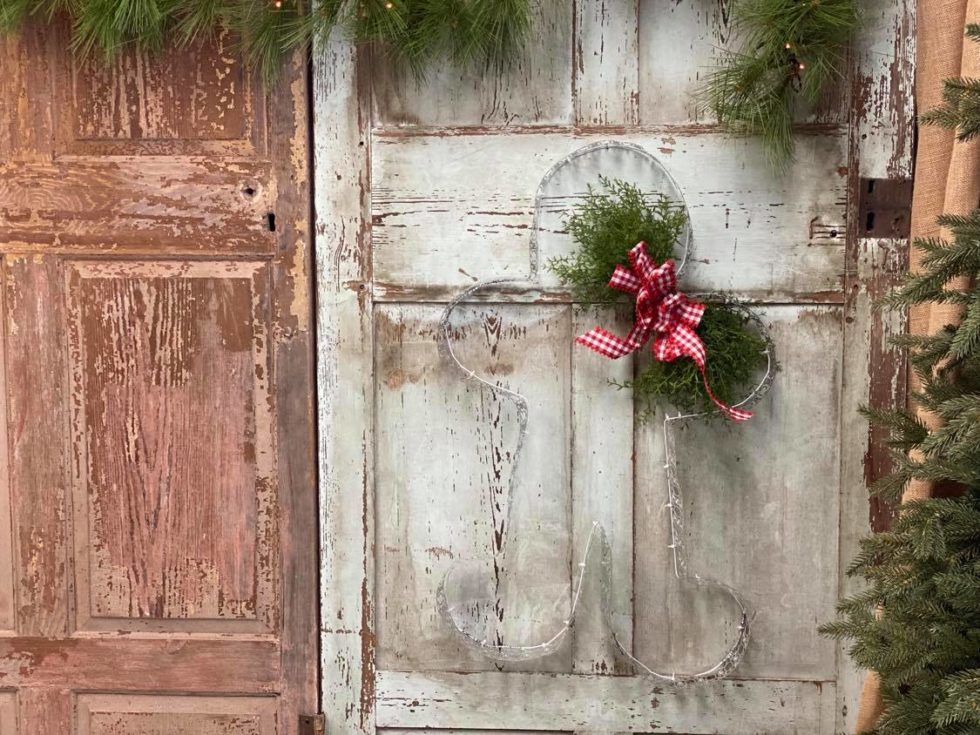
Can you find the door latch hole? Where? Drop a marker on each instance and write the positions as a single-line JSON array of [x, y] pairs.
[[270, 221]]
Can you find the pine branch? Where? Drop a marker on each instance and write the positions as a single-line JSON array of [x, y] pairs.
[[788, 50], [416, 33]]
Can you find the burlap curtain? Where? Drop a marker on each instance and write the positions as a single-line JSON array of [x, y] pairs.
[[947, 179]]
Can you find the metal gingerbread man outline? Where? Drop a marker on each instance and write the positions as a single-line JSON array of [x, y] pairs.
[[733, 656]]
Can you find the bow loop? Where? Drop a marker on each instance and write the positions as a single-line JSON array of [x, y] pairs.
[[661, 312]]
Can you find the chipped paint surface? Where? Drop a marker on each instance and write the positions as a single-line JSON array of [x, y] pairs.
[[101, 714], [156, 430], [171, 524], [444, 180]]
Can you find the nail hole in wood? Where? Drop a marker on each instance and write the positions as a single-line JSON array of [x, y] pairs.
[[248, 191]]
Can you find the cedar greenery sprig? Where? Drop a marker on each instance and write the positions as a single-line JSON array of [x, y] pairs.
[[789, 50], [736, 354], [610, 220], [415, 33]]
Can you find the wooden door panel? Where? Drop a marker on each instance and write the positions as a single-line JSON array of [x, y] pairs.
[[464, 436], [448, 210], [421, 196], [469, 468], [113, 714], [157, 402], [529, 701], [37, 414], [172, 525], [765, 525], [7, 613], [472, 98], [162, 206], [199, 99], [679, 44]]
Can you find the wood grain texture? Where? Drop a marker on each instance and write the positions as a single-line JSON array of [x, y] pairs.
[[603, 703], [141, 664], [437, 227], [345, 386], [680, 43], [156, 485], [163, 206], [37, 411], [883, 111], [173, 524], [536, 90], [603, 491], [462, 438], [8, 621], [293, 393], [883, 120], [606, 62], [43, 711], [193, 99], [752, 517], [25, 97], [8, 713], [126, 714]]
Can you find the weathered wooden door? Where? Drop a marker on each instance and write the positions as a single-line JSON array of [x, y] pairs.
[[157, 493], [423, 191]]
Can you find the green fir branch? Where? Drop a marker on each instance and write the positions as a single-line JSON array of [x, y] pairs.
[[917, 622]]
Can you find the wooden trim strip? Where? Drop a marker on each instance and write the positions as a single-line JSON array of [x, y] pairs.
[[141, 664], [525, 701]]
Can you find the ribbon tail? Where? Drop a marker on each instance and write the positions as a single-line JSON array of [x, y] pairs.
[[735, 414]]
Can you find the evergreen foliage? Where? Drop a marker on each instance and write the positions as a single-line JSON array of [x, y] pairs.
[[961, 102], [789, 50], [414, 32], [736, 354], [613, 218], [917, 623]]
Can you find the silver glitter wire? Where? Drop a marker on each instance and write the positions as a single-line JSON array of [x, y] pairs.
[[506, 652]]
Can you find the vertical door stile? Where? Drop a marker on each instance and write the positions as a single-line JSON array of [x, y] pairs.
[[345, 381], [882, 121]]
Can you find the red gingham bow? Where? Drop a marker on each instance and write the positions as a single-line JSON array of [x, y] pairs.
[[662, 311]]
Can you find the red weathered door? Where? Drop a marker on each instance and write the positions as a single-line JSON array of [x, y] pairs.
[[157, 494]]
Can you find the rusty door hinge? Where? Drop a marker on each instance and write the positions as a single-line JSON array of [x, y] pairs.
[[885, 208], [312, 725]]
